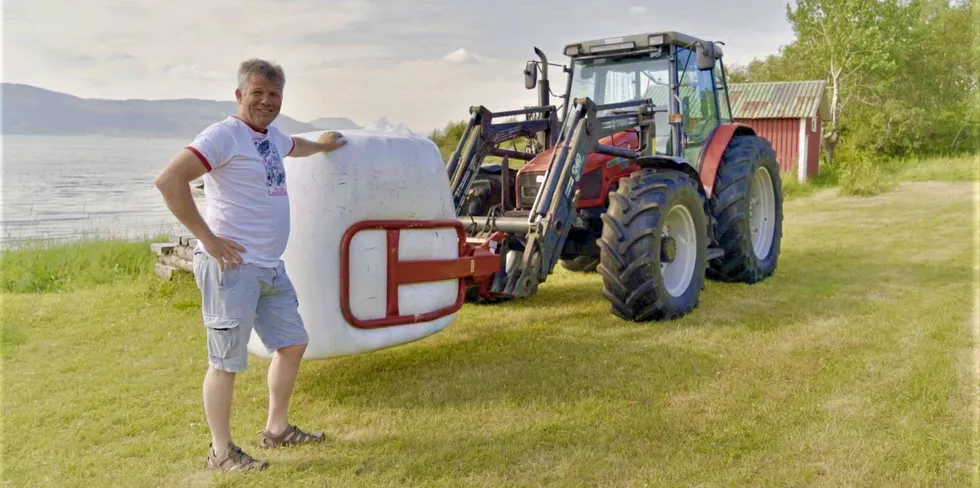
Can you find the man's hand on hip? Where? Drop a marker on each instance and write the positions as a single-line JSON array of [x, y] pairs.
[[224, 251]]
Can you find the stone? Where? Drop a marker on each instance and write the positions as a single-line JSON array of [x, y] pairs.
[[164, 271], [162, 248]]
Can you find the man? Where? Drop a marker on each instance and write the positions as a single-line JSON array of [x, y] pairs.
[[237, 262]]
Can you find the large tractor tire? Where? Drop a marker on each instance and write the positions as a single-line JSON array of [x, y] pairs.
[[654, 246], [747, 203], [581, 264]]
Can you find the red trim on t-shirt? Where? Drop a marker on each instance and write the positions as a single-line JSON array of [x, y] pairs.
[[201, 157], [291, 147], [250, 126]]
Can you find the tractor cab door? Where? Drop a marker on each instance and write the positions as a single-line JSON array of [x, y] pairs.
[[698, 103]]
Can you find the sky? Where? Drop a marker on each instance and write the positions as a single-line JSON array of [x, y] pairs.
[[418, 62]]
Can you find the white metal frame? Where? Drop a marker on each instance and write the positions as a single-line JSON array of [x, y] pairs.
[[803, 150]]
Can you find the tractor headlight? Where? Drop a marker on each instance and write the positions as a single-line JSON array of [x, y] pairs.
[[528, 185]]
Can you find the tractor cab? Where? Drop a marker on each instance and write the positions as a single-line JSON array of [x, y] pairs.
[[681, 75]]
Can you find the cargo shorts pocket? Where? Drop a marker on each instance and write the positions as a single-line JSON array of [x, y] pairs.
[[223, 343], [229, 308]]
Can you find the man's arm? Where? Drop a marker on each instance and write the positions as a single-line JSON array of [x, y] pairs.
[[328, 141], [174, 184]]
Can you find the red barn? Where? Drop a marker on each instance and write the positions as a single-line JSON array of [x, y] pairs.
[[790, 115]]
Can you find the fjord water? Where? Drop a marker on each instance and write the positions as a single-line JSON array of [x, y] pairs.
[[72, 187]]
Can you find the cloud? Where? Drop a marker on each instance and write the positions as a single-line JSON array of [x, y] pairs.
[[462, 56], [423, 94], [187, 48], [423, 63]]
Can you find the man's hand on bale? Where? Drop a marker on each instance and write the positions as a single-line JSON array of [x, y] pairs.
[[331, 140]]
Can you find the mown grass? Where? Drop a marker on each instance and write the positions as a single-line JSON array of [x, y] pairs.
[[852, 366]]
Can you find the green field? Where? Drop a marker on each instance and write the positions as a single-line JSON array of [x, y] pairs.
[[855, 365]]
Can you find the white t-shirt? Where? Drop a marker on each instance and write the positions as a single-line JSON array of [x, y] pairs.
[[245, 187]]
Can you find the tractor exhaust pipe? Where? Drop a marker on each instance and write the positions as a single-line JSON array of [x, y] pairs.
[[544, 92], [544, 89]]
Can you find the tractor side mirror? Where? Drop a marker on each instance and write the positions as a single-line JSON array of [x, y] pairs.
[[531, 75], [706, 56]]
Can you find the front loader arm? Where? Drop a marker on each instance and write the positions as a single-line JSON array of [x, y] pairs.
[[554, 208], [481, 138]]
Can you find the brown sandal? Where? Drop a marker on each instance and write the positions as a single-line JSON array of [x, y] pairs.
[[292, 435], [234, 460]]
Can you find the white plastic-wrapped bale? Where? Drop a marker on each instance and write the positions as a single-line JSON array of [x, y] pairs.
[[351, 241]]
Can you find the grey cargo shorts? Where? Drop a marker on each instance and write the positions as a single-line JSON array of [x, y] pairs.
[[236, 300]]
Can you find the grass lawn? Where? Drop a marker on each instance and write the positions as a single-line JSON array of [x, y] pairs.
[[856, 365]]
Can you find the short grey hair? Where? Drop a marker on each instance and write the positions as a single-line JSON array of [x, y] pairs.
[[270, 71]]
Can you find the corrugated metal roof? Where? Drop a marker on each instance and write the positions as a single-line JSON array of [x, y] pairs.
[[778, 100]]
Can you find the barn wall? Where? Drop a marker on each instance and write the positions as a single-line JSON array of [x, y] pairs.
[[814, 147], [784, 135]]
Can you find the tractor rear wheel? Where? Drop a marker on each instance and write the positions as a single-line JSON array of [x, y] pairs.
[[654, 246], [747, 203]]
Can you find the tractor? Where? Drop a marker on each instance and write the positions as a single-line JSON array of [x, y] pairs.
[[641, 175]]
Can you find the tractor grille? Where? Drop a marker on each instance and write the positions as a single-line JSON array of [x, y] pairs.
[[527, 188]]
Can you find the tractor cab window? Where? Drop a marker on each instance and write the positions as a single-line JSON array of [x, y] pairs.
[[620, 79], [699, 105]]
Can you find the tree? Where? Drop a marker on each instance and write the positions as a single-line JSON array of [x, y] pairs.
[[448, 138], [853, 43]]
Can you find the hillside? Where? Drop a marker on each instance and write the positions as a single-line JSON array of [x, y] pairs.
[[32, 110]]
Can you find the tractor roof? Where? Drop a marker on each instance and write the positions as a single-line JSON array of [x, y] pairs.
[[628, 43]]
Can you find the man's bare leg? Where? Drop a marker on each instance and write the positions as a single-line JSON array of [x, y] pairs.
[[282, 379], [219, 389]]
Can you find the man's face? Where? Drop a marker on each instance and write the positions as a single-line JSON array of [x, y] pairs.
[[260, 100]]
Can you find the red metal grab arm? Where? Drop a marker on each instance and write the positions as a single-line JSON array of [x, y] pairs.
[[471, 263]]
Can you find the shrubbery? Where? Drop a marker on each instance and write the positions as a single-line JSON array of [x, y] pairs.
[[860, 173]]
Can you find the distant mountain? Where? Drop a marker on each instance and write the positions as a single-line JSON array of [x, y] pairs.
[[31, 110]]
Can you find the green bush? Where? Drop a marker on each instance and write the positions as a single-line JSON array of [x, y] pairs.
[[859, 173], [792, 188]]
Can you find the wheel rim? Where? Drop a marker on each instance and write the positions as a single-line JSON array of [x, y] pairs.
[[678, 273], [762, 212]]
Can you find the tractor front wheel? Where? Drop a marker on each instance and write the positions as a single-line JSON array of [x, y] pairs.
[[748, 210], [654, 246]]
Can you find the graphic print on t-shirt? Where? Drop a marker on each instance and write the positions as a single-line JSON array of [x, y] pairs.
[[275, 172]]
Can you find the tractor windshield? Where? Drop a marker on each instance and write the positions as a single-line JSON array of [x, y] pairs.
[[620, 79]]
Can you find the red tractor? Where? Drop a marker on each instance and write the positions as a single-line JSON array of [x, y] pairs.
[[642, 176]]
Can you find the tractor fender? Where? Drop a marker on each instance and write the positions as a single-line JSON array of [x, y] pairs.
[[668, 162], [715, 150]]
